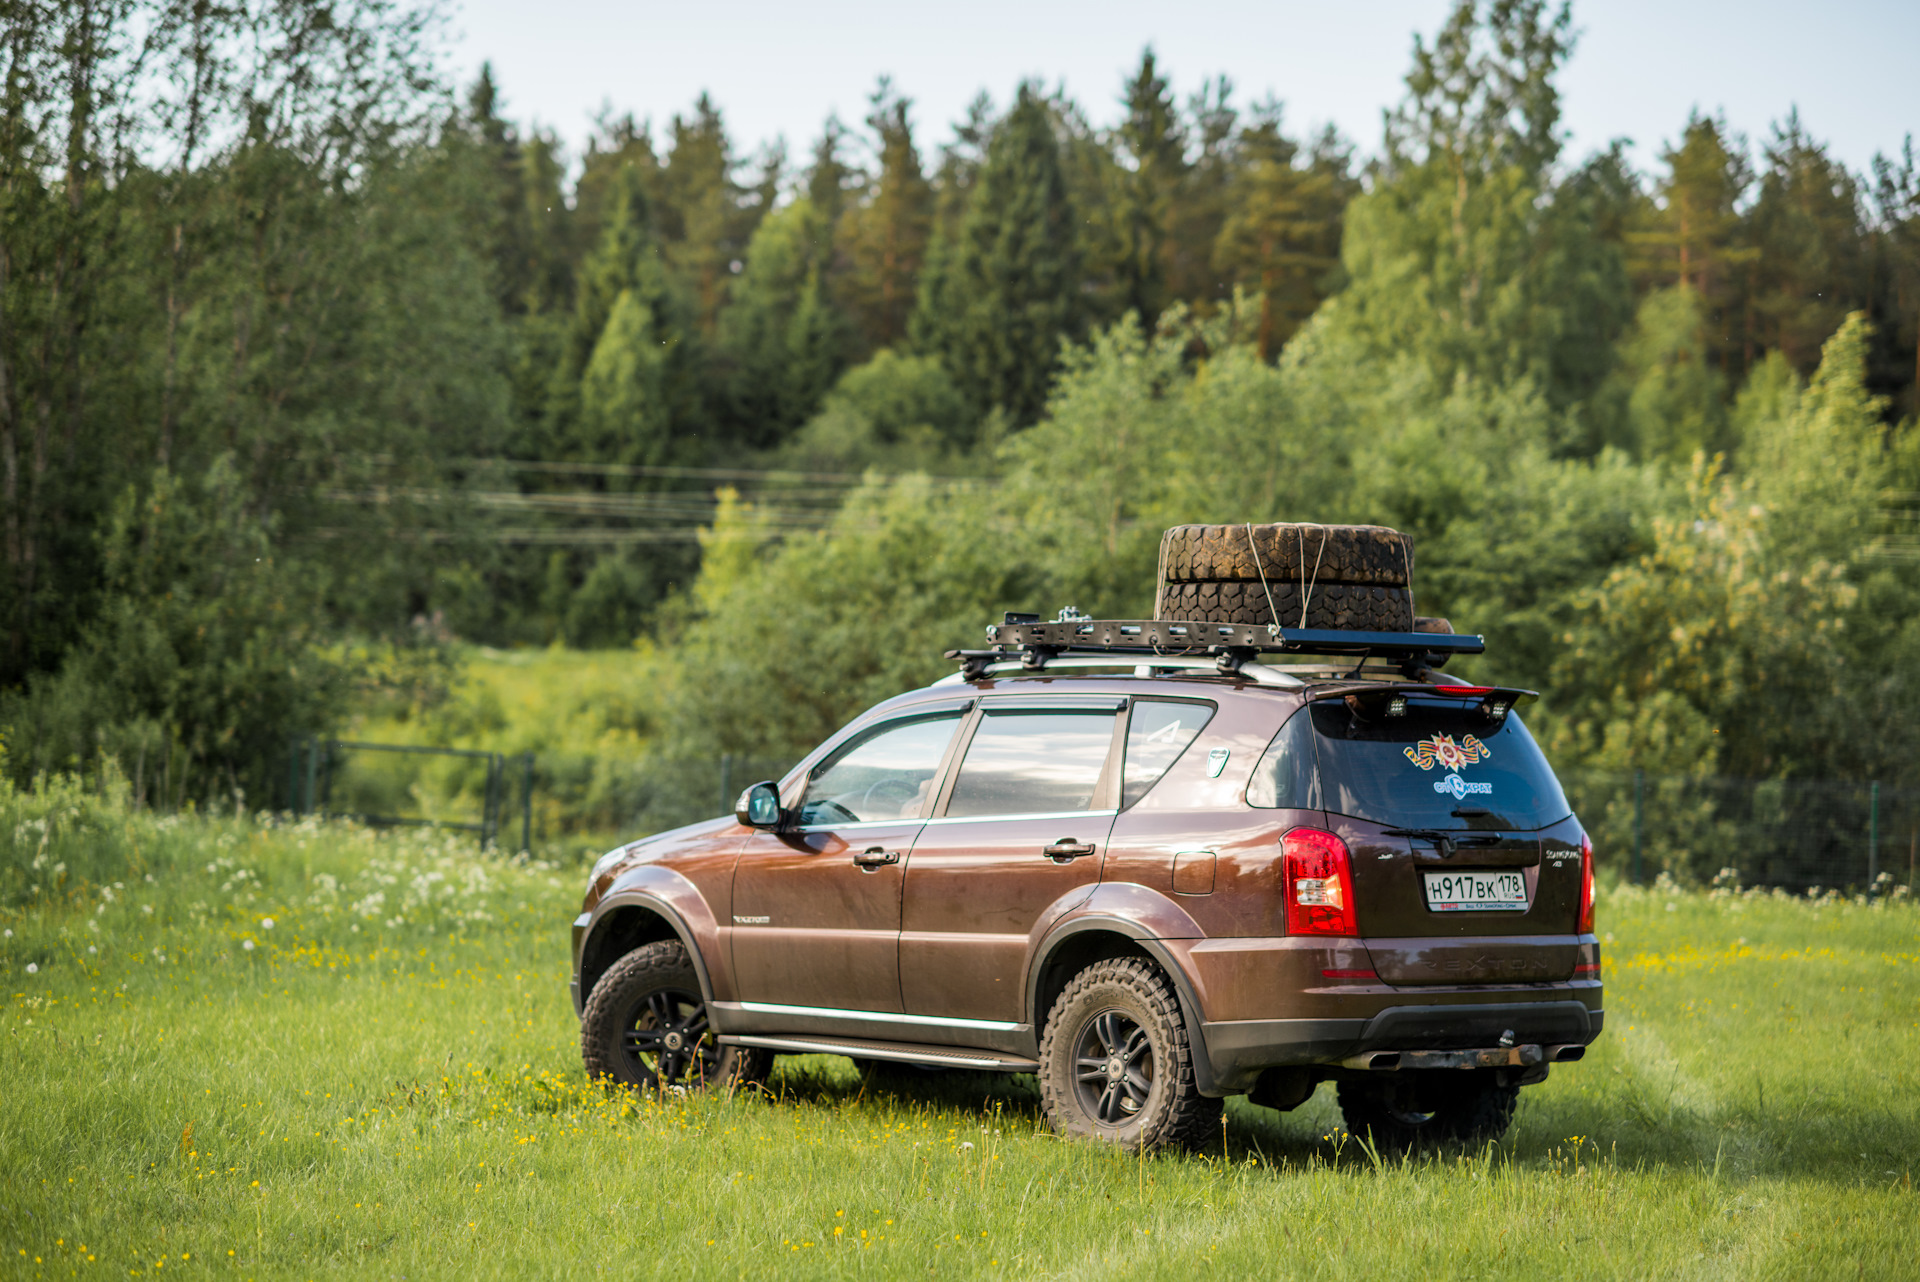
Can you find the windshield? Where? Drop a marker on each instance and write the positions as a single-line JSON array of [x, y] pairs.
[[1434, 767]]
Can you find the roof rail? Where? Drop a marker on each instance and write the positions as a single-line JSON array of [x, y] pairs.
[[1035, 643], [1258, 673]]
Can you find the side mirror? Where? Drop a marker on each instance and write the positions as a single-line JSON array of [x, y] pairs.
[[759, 806]]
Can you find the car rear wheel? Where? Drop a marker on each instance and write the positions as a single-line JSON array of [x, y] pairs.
[[646, 1025], [1115, 1064], [1405, 1111]]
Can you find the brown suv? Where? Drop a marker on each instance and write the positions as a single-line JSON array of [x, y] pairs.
[[1153, 882]]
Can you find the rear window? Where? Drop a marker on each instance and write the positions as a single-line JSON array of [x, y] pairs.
[[1434, 767]]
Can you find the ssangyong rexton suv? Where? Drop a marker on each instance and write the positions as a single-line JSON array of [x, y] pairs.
[[1150, 890]]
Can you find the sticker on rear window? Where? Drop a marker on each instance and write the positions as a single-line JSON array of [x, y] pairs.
[[1442, 749], [1460, 787]]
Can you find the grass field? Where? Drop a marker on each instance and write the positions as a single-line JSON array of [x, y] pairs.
[[293, 1051]]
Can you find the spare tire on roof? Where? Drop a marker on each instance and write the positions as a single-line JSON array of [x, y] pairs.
[[1347, 606], [1372, 555]]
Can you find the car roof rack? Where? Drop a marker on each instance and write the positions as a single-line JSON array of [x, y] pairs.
[[1158, 665], [1230, 645]]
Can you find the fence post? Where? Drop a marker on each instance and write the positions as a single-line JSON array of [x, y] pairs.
[[526, 803], [1873, 833], [313, 768], [1639, 817], [726, 782], [490, 824]]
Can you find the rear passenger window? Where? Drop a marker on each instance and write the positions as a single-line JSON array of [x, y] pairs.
[[1157, 733], [1032, 762]]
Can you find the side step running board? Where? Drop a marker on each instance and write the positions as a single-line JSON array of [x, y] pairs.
[[901, 1052]]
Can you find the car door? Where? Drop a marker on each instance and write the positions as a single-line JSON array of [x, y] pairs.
[[816, 906], [1022, 821]]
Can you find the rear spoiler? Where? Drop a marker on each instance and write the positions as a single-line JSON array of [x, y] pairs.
[[1375, 701]]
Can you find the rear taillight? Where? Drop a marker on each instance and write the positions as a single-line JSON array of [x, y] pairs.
[[1586, 884], [1318, 882]]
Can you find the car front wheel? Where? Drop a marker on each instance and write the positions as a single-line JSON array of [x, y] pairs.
[[1115, 1063], [646, 1025]]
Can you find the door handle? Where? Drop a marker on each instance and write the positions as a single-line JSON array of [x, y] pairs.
[[874, 857], [1066, 848]]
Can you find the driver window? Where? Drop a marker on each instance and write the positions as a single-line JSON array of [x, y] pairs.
[[884, 774]]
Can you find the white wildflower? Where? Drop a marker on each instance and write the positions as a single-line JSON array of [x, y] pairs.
[[266, 923], [247, 944]]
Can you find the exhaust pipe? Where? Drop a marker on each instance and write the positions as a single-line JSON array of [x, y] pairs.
[[1566, 1053]]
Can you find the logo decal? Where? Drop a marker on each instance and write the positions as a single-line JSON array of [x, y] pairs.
[[738, 920], [1460, 787], [1443, 749]]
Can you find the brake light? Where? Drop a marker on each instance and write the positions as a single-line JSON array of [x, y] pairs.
[[1586, 884], [1317, 879]]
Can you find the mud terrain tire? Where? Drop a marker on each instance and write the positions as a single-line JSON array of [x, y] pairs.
[[1115, 1063], [645, 1025], [1329, 605], [1369, 555]]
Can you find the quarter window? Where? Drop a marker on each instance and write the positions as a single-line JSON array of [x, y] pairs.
[[1157, 734], [1030, 762], [884, 774]]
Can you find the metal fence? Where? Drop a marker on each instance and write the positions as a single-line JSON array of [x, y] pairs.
[[594, 798], [1796, 834], [335, 778]]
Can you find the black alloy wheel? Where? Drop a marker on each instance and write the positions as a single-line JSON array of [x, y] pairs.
[[646, 1025], [667, 1038]]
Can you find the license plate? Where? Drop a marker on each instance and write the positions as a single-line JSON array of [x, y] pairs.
[[1476, 892]]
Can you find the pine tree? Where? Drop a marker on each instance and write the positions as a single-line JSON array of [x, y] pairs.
[[1897, 270], [830, 176], [885, 236], [1692, 234], [619, 144], [626, 414], [508, 234], [1806, 224], [785, 341], [1152, 144], [1202, 205], [623, 274], [1466, 255], [995, 306], [704, 222], [1281, 236]]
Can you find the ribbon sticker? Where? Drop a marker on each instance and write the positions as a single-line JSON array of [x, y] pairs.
[[1442, 749]]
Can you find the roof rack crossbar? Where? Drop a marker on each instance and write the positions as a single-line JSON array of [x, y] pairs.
[[1232, 644]]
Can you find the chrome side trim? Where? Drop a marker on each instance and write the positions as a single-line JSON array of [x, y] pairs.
[[878, 1016], [862, 824], [1051, 814], [897, 1052]]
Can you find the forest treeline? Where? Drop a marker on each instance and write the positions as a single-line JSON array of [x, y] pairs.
[[310, 362]]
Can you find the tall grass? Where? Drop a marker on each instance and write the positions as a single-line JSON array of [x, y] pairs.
[[272, 1050]]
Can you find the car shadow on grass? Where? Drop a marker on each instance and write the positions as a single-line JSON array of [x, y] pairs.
[[1623, 1123]]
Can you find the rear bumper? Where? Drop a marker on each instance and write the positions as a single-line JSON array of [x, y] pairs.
[[1237, 1050]]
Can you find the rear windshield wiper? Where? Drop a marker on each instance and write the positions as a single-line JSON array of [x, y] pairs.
[[1446, 842]]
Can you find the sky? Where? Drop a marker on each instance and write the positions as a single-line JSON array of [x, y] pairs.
[[779, 69]]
